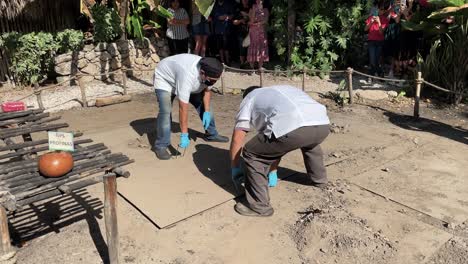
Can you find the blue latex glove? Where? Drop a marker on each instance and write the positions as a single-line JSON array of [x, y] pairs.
[[237, 176], [272, 178], [184, 140], [206, 120]]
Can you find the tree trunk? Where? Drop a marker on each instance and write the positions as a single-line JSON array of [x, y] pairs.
[[291, 27], [122, 6]]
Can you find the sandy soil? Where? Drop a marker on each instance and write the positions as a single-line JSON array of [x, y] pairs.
[[349, 222]]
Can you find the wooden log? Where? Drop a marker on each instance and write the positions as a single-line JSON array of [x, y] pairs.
[[39, 149], [28, 118], [29, 169], [42, 196], [350, 85], [113, 100], [417, 96], [31, 143], [33, 129], [69, 188], [110, 215], [11, 115], [89, 151], [82, 170], [53, 183], [5, 234], [121, 172]]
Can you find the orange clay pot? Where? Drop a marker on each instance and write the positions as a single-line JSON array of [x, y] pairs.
[[55, 164]]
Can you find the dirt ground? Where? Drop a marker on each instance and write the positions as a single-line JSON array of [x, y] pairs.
[[398, 194]]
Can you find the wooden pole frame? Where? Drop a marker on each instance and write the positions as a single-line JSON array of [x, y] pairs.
[[7, 250], [417, 96], [349, 71], [110, 215], [304, 75], [84, 99]]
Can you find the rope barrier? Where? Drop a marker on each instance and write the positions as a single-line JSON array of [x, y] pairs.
[[380, 78], [443, 89], [350, 71]]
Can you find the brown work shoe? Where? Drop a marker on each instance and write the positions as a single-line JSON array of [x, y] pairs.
[[246, 211]]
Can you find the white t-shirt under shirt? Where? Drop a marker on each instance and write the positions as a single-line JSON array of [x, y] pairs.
[[179, 75], [278, 110]]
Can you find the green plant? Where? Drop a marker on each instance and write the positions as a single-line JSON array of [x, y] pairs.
[[106, 23], [339, 96], [447, 63], [135, 20], [32, 55], [69, 40], [324, 31], [445, 26]]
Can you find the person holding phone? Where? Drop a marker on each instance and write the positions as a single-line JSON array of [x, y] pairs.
[[375, 26]]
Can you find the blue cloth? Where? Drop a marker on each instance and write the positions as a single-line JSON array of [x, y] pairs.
[[164, 120], [222, 27], [201, 28], [206, 119], [375, 51], [184, 140]]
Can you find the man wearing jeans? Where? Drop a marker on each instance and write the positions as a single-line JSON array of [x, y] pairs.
[[286, 119], [189, 77]]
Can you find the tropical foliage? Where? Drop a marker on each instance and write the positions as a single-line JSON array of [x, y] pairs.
[[445, 26], [135, 20], [32, 55], [106, 23], [325, 31]]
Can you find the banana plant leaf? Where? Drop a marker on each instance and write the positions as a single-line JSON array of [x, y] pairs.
[[445, 3], [450, 11], [205, 7]]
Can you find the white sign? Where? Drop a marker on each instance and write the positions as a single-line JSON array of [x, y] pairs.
[[61, 141]]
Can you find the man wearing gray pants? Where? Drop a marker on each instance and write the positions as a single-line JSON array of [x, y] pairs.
[[286, 119]]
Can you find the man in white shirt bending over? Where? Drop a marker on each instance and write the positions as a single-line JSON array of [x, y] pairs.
[[189, 77], [286, 119]]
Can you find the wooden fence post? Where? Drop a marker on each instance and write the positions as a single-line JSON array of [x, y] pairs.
[[84, 100], [7, 251], [124, 79], [349, 70], [261, 77], [222, 85], [304, 75], [419, 81], [110, 215], [37, 92]]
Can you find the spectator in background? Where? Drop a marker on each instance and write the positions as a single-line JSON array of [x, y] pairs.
[[222, 17], [409, 39], [177, 34], [241, 29], [376, 25], [200, 30], [258, 20], [392, 37]]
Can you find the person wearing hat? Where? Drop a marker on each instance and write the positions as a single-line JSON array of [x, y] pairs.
[[189, 77], [285, 119]]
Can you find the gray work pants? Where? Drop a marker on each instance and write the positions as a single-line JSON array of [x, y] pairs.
[[260, 152]]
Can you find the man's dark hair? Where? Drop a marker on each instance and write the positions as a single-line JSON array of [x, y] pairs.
[[250, 89], [212, 67]]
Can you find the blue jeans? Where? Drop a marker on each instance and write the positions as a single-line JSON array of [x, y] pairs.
[[375, 51], [164, 120]]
